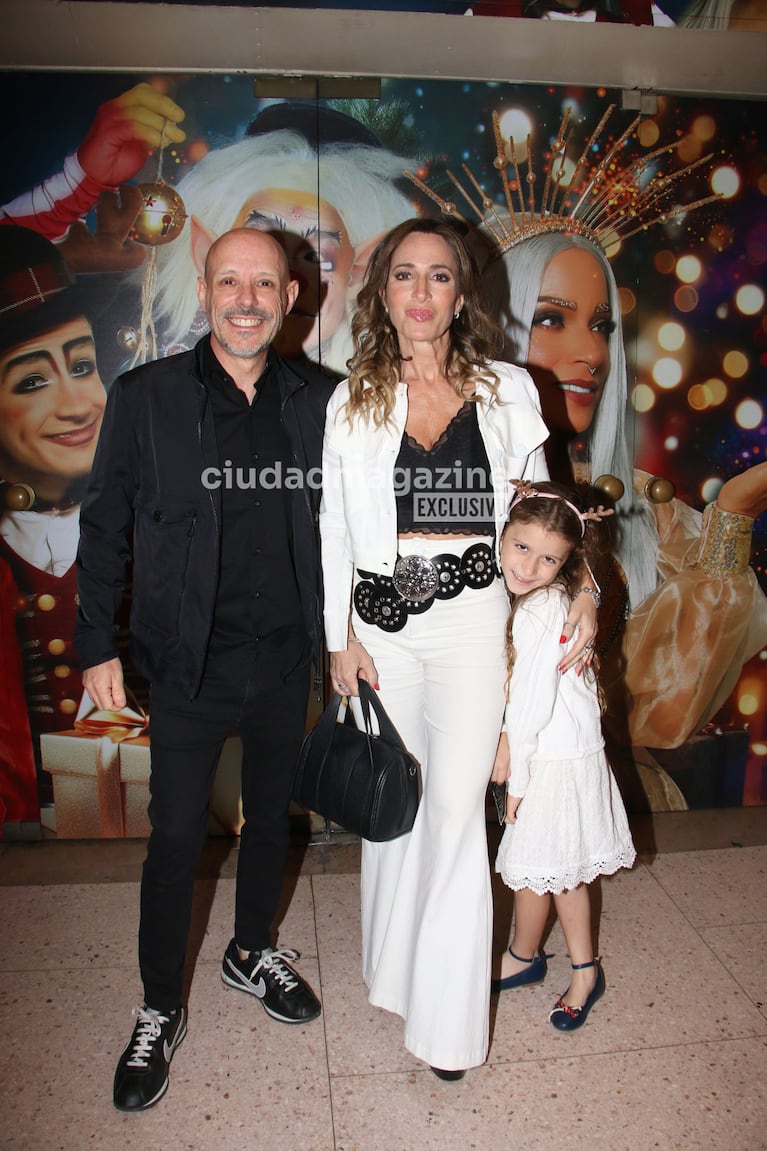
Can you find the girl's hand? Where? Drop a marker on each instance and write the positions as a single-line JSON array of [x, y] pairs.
[[346, 667], [581, 623], [512, 803], [501, 769]]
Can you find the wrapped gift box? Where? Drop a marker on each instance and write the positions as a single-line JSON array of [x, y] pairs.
[[101, 788], [710, 768]]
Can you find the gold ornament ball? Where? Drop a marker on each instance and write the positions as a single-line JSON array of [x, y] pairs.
[[18, 497], [127, 338], [611, 486], [162, 216], [659, 491]]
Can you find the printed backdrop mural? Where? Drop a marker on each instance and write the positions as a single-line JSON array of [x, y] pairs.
[[327, 177]]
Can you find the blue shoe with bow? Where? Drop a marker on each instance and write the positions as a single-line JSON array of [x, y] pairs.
[[567, 1018]]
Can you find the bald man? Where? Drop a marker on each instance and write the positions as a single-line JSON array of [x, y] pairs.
[[207, 474]]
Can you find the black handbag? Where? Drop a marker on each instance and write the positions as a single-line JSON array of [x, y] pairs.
[[367, 783]]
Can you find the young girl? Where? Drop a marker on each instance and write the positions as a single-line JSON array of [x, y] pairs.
[[565, 820]]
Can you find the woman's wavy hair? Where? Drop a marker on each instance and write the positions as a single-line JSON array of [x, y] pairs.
[[583, 540], [374, 368]]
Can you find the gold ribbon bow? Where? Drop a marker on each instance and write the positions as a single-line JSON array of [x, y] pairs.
[[110, 729]]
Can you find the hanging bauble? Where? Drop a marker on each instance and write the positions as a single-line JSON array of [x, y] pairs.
[[610, 485], [162, 216], [659, 491], [18, 497], [127, 338]]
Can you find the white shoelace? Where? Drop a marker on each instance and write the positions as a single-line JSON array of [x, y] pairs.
[[274, 961], [148, 1032]]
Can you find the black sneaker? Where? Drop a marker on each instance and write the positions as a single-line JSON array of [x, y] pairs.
[[141, 1077], [267, 975]]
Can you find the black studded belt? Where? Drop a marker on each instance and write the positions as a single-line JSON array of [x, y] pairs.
[[387, 601]]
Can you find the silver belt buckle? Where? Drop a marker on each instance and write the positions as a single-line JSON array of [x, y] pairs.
[[415, 578]]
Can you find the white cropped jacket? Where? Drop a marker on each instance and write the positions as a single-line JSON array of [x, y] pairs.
[[358, 512]]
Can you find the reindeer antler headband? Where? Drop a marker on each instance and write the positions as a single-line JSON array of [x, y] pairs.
[[525, 490]]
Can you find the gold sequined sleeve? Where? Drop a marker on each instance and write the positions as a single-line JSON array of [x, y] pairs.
[[685, 644]]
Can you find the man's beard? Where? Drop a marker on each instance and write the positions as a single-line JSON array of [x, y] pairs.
[[249, 352]]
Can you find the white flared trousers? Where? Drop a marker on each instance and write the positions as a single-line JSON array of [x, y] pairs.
[[426, 897]]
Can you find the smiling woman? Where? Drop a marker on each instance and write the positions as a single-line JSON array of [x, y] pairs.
[[51, 406]]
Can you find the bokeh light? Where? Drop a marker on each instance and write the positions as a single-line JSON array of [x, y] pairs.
[[648, 133], [688, 269], [717, 389], [686, 298], [735, 364], [748, 702], [704, 127], [749, 414], [664, 261], [667, 372], [517, 124], [628, 301], [725, 181], [699, 398], [690, 149], [671, 336], [642, 398], [710, 489], [749, 299]]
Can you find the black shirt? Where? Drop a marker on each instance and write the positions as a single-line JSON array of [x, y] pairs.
[[258, 601]]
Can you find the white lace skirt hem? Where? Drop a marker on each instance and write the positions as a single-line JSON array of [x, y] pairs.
[[571, 827]]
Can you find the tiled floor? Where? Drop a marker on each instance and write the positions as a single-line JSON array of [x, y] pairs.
[[674, 1057]]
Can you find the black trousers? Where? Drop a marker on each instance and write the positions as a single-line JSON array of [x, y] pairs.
[[243, 693]]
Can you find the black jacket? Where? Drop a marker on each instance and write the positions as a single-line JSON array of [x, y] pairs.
[[146, 498]]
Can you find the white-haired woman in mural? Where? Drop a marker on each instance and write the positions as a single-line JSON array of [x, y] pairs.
[[328, 206], [696, 609], [739, 15]]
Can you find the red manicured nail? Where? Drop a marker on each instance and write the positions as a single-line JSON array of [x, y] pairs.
[[377, 686], [563, 639]]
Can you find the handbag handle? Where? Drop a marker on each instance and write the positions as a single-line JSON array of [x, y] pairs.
[[368, 700]]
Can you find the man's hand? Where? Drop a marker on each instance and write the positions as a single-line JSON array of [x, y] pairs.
[[125, 131], [104, 684]]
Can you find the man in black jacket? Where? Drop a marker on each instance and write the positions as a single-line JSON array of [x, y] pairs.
[[207, 471]]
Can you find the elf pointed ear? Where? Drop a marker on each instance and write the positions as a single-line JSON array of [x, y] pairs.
[[362, 254], [201, 240]]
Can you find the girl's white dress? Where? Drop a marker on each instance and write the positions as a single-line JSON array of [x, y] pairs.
[[571, 824]]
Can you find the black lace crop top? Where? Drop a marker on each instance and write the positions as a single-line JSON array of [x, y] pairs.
[[447, 488]]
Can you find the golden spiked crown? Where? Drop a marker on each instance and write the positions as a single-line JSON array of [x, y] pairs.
[[606, 200]]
